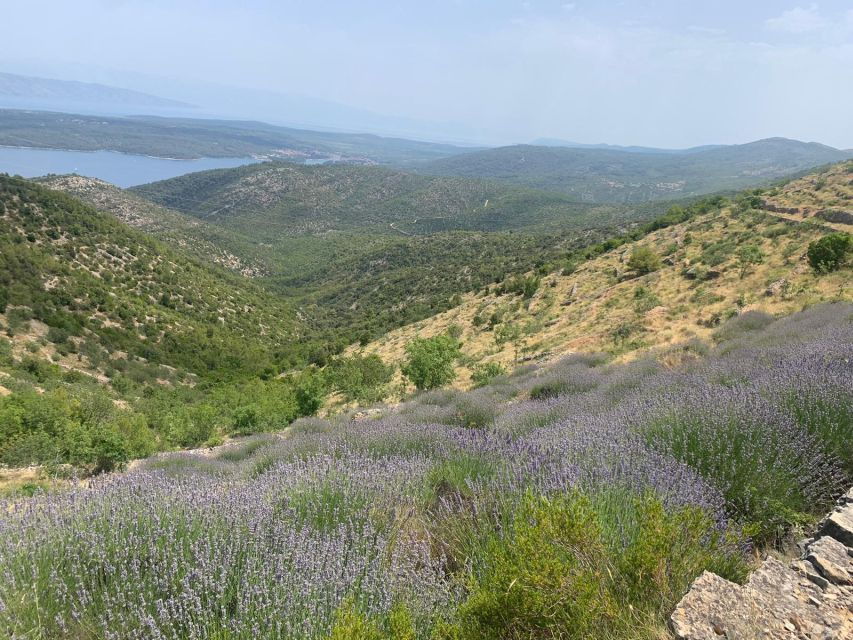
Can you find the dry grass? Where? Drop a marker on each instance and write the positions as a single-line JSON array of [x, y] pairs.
[[582, 311]]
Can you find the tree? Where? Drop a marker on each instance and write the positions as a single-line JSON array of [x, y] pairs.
[[643, 260], [310, 393], [747, 256], [429, 362], [830, 252]]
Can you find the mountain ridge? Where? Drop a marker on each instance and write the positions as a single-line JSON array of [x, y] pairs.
[[38, 88], [607, 175]]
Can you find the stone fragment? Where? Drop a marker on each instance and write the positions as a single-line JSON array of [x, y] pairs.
[[775, 288], [808, 570], [832, 561], [701, 613], [839, 525]]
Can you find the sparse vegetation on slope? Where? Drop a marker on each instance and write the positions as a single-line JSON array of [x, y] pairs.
[[709, 270], [207, 242], [115, 345], [85, 274], [281, 199], [366, 249]]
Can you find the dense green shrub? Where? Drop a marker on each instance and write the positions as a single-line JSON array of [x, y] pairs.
[[643, 260], [310, 392], [360, 377], [562, 568], [483, 374], [830, 253], [429, 362]]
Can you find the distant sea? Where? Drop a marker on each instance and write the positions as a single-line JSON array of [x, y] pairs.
[[121, 169]]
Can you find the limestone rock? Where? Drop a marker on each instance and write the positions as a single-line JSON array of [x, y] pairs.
[[811, 597], [839, 525], [775, 288], [702, 612], [832, 560]]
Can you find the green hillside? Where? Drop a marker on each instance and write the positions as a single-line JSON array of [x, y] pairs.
[[98, 285], [271, 200], [604, 175], [207, 242]]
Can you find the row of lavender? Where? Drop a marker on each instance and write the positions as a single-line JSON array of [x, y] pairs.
[[275, 537]]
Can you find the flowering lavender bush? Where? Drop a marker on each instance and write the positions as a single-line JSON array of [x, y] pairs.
[[413, 524]]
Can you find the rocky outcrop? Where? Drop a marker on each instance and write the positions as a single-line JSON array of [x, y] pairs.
[[775, 288], [810, 597], [769, 206], [835, 215]]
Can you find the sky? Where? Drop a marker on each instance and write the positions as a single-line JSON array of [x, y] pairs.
[[667, 73]]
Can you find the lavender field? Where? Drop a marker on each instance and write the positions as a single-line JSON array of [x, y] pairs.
[[574, 501]]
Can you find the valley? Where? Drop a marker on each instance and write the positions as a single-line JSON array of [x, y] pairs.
[[426, 321], [429, 387]]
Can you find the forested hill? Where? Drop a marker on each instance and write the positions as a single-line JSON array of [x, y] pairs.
[[606, 175], [282, 199]]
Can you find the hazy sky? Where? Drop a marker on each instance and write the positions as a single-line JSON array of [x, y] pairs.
[[665, 73]]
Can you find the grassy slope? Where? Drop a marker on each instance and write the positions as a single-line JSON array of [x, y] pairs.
[[106, 288], [602, 175], [194, 138], [583, 311]]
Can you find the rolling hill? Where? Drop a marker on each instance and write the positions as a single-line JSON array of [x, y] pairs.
[[606, 175], [601, 304], [370, 248], [272, 200], [359, 249], [206, 242]]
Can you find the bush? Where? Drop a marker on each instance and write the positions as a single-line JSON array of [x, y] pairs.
[[429, 363], [830, 252], [562, 568], [748, 256], [743, 324], [360, 378], [350, 624], [483, 374], [109, 450], [191, 426], [643, 260], [310, 394], [246, 420]]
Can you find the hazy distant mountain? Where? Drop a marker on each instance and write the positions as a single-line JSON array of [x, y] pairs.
[[28, 91], [220, 101], [608, 175], [556, 142]]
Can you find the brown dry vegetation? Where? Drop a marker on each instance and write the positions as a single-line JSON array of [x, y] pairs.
[[603, 306]]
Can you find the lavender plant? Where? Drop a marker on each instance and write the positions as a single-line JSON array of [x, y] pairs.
[[414, 523]]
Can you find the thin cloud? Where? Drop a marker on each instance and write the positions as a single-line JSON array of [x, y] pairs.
[[797, 20]]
